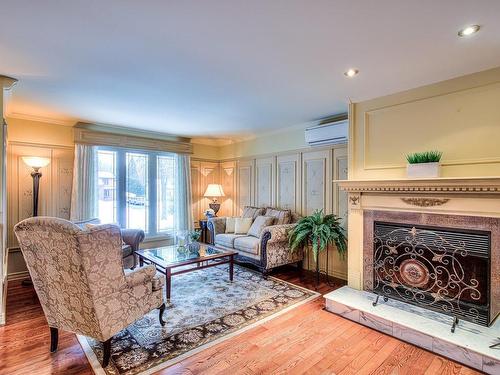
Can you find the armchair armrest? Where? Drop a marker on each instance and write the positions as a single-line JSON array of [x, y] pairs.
[[216, 225], [133, 237], [275, 250], [140, 276]]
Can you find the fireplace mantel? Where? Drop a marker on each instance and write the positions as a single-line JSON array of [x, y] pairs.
[[447, 185]]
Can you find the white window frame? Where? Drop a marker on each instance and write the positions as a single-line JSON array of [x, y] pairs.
[[151, 232]]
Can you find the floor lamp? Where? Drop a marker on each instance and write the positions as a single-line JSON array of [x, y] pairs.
[[36, 163]]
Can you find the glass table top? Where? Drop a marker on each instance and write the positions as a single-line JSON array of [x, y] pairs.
[[174, 255]]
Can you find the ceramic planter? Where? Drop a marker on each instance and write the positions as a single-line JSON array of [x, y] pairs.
[[423, 170]]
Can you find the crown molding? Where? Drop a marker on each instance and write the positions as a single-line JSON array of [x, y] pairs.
[[465, 185], [46, 120], [217, 142], [7, 82]]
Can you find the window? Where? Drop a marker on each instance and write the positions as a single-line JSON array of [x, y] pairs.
[[136, 189]]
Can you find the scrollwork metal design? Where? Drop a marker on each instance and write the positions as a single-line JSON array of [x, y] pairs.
[[431, 270]]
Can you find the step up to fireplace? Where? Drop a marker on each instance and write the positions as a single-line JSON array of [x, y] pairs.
[[469, 344]]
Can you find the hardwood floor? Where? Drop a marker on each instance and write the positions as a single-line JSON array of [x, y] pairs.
[[306, 340]]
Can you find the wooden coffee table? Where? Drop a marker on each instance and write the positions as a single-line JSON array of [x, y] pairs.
[[167, 258]]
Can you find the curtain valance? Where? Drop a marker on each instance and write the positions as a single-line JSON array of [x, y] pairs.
[[87, 134]]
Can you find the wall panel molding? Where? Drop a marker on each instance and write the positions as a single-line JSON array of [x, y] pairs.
[[288, 182], [265, 190]]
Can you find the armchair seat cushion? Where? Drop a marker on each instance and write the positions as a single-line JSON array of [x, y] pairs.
[[227, 239], [247, 244]]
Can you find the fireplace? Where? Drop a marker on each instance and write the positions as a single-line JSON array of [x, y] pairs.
[[441, 262], [439, 268]]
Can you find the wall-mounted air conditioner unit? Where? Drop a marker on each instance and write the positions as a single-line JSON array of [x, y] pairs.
[[328, 134]]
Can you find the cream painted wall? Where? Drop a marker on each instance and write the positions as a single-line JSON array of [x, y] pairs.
[[205, 152], [36, 132], [460, 117], [279, 141]]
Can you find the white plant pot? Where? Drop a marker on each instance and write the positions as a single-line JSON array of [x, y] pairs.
[[423, 170]]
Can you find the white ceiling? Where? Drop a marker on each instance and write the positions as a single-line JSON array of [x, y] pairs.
[[220, 68]]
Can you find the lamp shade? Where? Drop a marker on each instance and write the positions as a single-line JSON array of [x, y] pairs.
[[36, 162], [214, 190]]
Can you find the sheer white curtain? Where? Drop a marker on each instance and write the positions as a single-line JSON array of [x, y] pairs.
[[84, 192], [183, 210]]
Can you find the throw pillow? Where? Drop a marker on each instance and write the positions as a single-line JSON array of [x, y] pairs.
[[259, 224], [230, 224], [281, 216], [253, 212], [242, 225]]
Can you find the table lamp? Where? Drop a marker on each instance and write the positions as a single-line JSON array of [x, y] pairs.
[[214, 191]]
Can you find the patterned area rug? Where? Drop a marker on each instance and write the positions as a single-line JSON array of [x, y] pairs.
[[205, 308]]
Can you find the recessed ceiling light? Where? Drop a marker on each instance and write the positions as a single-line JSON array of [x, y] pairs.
[[351, 73], [469, 30]]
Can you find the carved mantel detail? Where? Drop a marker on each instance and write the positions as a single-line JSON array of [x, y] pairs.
[[425, 202], [354, 201], [472, 185]]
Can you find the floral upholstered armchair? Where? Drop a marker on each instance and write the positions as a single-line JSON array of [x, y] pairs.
[[79, 278], [269, 249], [131, 240]]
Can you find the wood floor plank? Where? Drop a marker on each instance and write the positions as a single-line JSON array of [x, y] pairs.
[[305, 340]]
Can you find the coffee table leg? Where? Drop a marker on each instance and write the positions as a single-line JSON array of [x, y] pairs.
[[141, 261], [231, 267], [169, 282]]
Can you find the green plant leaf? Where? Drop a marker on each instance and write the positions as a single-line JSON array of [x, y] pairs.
[[424, 157], [319, 231]]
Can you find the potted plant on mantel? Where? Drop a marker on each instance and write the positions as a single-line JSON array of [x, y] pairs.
[[318, 231], [423, 164]]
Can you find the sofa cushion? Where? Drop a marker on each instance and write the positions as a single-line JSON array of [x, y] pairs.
[[281, 216], [259, 224], [247, 244], [226, 239], [230, 224], [253, 212], [242, 225]]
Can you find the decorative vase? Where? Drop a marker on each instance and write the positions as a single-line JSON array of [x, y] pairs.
[[423, 170]]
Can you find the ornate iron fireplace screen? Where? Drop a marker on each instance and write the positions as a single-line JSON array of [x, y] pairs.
[[445, 270]]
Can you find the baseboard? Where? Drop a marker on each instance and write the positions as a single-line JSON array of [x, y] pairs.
[[21, 275]]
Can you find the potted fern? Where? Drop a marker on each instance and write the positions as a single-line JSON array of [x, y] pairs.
[[423, 164], [318, 231]]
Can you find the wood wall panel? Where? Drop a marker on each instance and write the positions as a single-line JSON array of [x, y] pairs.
[[202, 174], [288, 182], [316, 181], [245, 184], [228, 182], [265, 190]]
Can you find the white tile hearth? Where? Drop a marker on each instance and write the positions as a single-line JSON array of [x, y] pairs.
[[427, 329]]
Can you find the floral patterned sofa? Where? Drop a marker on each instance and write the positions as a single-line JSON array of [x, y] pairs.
[[269, 250]]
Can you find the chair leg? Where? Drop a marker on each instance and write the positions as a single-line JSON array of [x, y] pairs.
[[106, 352], [54, 339], [162, 309]]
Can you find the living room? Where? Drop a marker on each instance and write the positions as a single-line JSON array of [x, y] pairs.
[[281, 187]]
